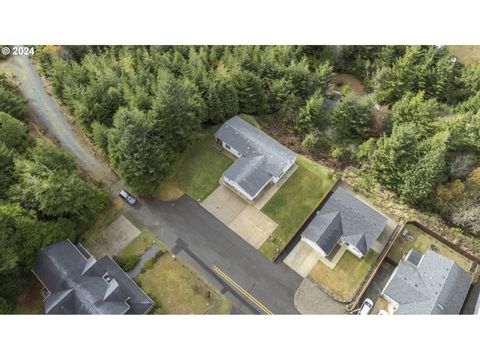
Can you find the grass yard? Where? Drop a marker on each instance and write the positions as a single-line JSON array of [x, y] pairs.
[[345, 279], [139, 245], [197, 172], [294, 202], [102, 220], [178, 290], [423, 242]]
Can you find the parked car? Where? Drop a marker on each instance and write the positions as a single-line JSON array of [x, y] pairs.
[[129, 198], [366, 307]]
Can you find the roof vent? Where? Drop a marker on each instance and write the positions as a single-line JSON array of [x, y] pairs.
[[107, 278]]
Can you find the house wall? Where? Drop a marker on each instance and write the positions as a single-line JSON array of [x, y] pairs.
[[289, 165], [237, 188], [314, 246], [354, 251], [231, 150]]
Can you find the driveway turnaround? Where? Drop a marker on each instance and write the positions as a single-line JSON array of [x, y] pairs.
[[254, 284]]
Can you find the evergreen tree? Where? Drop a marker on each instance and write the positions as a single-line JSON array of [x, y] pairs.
[[222, 100], [139, 153]]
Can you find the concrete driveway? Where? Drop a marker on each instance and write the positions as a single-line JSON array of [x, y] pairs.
[[114, 238], [243, 218], [302, 259]]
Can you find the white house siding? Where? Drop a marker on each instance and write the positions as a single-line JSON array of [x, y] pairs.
[[314, 246], [234, 185], [289, 165], [230, 149], [354, 251]]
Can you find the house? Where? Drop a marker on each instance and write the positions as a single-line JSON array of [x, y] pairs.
[[76, 283], [427, 284], [346, 221], [260, 159]]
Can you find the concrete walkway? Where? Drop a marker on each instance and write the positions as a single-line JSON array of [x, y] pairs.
[[147, 255]]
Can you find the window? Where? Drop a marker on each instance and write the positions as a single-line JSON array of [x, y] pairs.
[[227, 146]]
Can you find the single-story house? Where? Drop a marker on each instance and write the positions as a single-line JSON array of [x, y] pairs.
[[76, 283], [346, 221], [427, 284], [261, 159]]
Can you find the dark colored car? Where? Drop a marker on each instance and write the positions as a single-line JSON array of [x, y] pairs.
[[129, 198]]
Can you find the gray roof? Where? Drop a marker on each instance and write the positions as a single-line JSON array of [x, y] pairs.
[[76, 283], [262, 157], [436, 286], [344, 216]]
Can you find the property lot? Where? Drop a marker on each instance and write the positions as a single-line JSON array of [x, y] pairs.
[[197, 171], [294, 202], [343, 282], [178, 290], [423, 242]]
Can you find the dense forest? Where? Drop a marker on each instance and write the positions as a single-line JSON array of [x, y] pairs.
[[416, 133], [42, 197]]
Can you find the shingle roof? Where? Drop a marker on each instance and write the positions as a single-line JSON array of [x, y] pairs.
[[77, 286], [262, 157], [358, 224], [436, 286]]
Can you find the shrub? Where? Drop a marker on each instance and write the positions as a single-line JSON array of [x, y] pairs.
[[473, 180], [127, 263], [365, 150]]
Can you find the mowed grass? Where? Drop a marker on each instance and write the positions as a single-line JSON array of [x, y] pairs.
[[139, 245], [423, 242], [178, 290], [116, 207], [294, 202], [345, 279], [198, 171]]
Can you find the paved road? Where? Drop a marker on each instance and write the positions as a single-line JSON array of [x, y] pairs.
[[248, 279]]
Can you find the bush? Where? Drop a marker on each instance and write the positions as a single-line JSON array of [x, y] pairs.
[[314, 141], [473, 179], [365, 150], [6, 307], [127, 263]]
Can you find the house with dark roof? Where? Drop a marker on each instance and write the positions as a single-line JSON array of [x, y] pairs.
[[427, 284], [76, 283], [261, 160], [344, 220]]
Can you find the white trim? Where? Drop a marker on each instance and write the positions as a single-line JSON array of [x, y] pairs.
[[314, 246]]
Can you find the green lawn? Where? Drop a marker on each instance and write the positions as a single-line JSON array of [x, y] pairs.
[[294, 202], [178, 290], [139, 245], [198, 171], [345, 279], [423, 242]]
